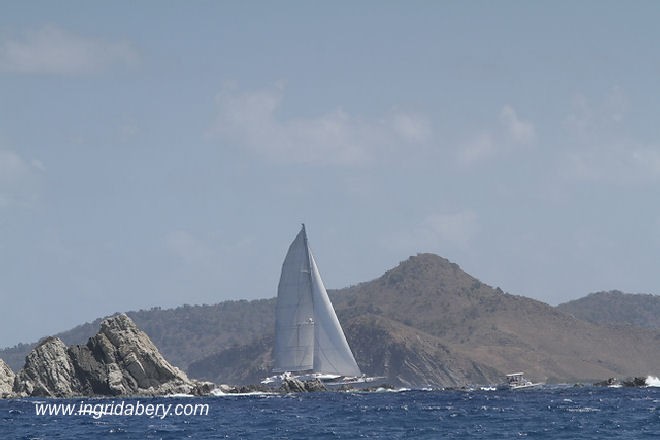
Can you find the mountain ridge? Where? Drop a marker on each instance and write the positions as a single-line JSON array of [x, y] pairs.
[[423, 322], [616, 307]]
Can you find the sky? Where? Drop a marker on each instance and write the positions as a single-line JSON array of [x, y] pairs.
[[160, 153]]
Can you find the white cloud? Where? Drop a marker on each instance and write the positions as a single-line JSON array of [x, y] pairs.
[[581, 116], [616, 105], [598, 147], [51, 50], [127, 131], [413, 128], [12, 167], [614, 162], [17, 179], [519, 131], [251, 120], [511, 134], [587, 117], [481, 147]]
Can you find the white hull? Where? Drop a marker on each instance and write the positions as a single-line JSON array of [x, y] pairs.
[[516, 381], [525, 385], [329, 380]]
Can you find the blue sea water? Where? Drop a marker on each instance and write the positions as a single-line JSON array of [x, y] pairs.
[[551, 413]]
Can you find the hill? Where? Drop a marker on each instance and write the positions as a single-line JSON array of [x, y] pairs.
[[183, 334], [428, 322], [617, 308], [424, 322], [503, 331]]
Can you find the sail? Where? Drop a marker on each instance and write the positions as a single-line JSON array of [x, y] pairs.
[[331, 351], [294, 313], [308, 335]]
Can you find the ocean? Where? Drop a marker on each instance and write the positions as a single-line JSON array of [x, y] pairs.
[[548, 412]]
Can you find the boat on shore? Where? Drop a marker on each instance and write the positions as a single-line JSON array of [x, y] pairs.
[[309, 341]]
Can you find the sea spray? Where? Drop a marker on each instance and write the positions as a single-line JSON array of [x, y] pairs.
[[652, 381]]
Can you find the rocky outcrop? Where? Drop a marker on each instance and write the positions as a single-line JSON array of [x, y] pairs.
[[119, 360], [7, 377], [610, 382], [244, 389], [293, 385], [48, 371], [314, 385], [635, 382], [631, 382]]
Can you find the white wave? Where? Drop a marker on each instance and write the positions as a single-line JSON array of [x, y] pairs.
[[583, 410], [217, 392], [391, 390], [652, 381]]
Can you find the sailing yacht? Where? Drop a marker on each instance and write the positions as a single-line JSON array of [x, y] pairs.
[[309, 341]]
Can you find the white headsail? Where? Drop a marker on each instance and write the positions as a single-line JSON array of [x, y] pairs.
[[308, 335]]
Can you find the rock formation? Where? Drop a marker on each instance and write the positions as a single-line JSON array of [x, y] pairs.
[[6, 379], [610, 382], [635, 382], [314, 385], [244, 389], [293, 385], [119, 360], [48, 371]]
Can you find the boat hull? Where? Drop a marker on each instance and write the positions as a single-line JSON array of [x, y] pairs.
[[328, 380]]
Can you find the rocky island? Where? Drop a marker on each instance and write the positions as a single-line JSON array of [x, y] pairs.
[[7, 377], [120, 360]]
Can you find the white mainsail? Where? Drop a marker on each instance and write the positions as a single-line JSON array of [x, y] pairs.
[[308, 335]]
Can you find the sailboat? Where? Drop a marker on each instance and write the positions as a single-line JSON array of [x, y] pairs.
[[309, 341]]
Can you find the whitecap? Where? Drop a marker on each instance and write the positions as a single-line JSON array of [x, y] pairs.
[[217, 392], [390, 390], [652, 381], [583, 410]]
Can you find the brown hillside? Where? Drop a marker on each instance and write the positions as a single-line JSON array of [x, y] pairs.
[[616, 308], [424, 322], [506, 332], [407, 356]]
